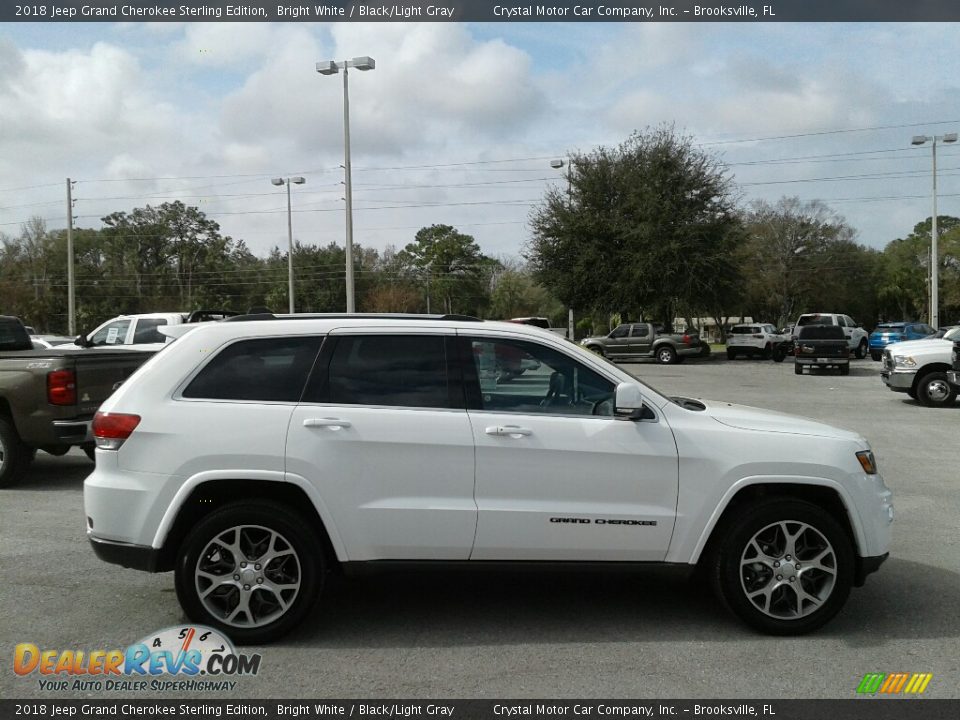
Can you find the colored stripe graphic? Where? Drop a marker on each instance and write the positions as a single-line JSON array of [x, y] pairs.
[[894, 683]]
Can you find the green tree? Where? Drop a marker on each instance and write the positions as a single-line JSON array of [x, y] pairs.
[[648, 225]]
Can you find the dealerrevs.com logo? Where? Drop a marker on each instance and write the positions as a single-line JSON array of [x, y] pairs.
[[889, 684], [176, 659]]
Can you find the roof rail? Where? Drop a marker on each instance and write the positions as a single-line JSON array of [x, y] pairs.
[[346, 316]]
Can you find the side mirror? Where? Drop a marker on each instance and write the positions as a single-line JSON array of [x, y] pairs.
[[628, 403], [82, 341]]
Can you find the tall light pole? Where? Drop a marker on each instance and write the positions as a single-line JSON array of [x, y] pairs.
[[556, 165], [332, 67], [287, 181], [934, 249]]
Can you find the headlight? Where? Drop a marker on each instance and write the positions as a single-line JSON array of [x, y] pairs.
[[867, 462], [904, 360]]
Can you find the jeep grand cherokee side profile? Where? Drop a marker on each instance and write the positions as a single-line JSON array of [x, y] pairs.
[[251, 457]]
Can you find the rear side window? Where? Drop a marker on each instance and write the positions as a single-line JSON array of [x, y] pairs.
[[267, 370], [146, 331], [385, 370]]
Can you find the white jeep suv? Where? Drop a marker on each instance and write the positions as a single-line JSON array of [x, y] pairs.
[[253, 456]]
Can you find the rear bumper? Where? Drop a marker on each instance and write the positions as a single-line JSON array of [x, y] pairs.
[[866, 566], [73, 432], [821, 362], [136, 557]]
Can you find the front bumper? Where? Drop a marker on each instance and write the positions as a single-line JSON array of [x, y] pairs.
[[866, 566], [898, 380]]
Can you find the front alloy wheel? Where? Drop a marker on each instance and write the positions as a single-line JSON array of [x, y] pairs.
[[784, 566], [253, 571], [666, 355]]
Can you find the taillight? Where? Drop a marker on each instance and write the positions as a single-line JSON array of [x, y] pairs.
[[62, 387], [111, 429], [686, 339]]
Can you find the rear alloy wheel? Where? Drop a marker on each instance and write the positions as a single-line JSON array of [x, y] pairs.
[[779, 354], [933, 390], [785, 567], [862, 350], [253, 570], [666, 355]]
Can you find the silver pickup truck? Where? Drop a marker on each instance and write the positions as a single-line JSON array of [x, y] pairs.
[[632, 341]]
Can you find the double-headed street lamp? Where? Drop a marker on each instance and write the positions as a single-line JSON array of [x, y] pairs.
[[332, 67], [287, 181], [934, 250]]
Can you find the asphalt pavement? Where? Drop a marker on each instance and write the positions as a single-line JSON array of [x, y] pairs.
[[545, 634]]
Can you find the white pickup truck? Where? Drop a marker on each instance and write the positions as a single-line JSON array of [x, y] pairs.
[[919, 368], [143, 330]]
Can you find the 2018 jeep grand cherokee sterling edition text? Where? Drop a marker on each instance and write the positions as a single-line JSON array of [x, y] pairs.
[[251, 457]]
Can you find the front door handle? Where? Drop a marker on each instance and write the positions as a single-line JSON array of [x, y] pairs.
[[326, 422], [513, 431]]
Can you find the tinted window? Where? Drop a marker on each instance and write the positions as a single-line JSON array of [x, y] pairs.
[[392, 370], [741, 330], [640, 331], [814, 320], [13, 336], [146, 331], [269, 370], [524, 377], [890, 327], [621, 331]]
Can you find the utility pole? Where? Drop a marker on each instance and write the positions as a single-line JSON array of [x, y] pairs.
[[71, 297]]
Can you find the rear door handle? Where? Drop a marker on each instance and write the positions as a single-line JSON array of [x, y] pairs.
[[326, 422], [513, 431]]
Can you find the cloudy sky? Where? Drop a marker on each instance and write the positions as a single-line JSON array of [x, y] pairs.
[[458, 122]]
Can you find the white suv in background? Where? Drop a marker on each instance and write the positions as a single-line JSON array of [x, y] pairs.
[[753, 339], [253, 455], [857, 337]]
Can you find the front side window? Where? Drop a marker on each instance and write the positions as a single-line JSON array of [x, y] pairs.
[[506, 375], [385, 370], [621, 331], [114, 333], [266, 370]]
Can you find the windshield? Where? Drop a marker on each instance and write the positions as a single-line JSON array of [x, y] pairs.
[[953, 334]]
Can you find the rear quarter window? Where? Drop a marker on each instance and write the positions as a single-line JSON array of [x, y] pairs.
[[266, 370]]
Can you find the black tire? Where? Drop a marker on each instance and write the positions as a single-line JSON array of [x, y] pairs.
[[771, 522], [875, 356], [797, 369], [91, 452], [15, 457], [596, 349], [779, 354], [705, 350], [845, 369], [861, 350], [665, 355], [257, 517], [767, 352], [731, 354], [934, 390]]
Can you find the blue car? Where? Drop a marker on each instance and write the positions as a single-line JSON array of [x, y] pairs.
[[891, 332]]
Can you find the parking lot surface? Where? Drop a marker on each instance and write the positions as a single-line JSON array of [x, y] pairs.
[[545, 634]]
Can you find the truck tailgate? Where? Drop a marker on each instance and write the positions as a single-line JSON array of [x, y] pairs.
[[100, 373]]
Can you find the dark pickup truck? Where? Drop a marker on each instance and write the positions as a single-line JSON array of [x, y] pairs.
[[48, 397], [821, 346]]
